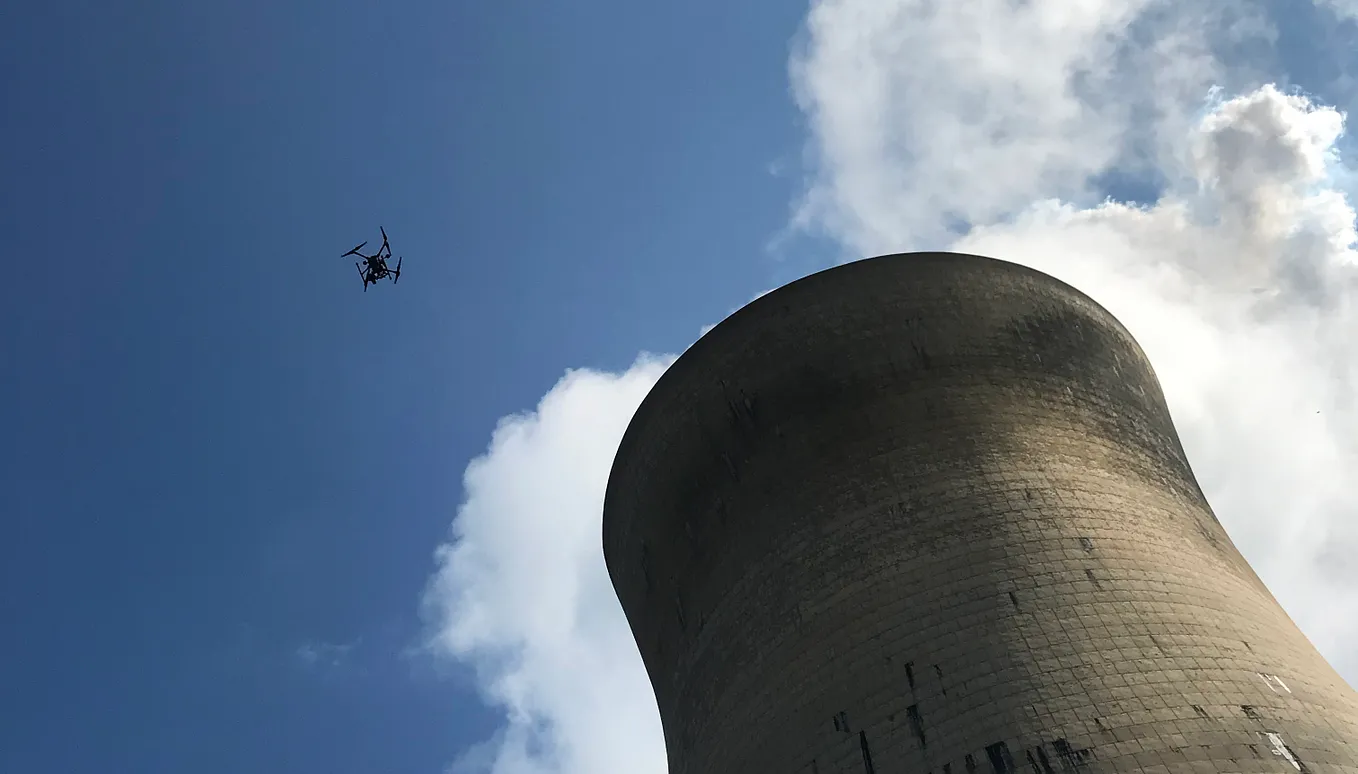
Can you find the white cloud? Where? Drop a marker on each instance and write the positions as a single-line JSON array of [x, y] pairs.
[[1239, 282], [324, 654], [928, 111], [1260, 383], [522, 593], [1343, 9]]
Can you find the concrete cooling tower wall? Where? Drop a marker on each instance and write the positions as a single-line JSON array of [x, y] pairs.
[[928, 513]]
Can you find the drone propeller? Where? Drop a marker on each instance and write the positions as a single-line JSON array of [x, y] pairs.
[[377, 264]]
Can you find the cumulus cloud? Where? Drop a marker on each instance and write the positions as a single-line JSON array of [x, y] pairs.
[[523, 596], [1242, 294], [1239, 281], [1343, 9], [929, 116], [991, 127]]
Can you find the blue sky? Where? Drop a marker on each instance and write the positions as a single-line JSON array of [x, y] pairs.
[[220, 454], [218, 448]]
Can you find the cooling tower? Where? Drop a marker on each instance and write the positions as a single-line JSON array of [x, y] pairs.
[[928, 513]]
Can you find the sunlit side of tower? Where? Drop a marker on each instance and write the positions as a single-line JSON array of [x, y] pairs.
[[929, 513]]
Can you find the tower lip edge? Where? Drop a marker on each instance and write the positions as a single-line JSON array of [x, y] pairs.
[[692, 356]]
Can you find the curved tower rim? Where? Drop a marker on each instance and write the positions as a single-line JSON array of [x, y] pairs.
[[691, 358]]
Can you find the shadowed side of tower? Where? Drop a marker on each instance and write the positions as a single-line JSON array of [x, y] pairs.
[[929, 513]]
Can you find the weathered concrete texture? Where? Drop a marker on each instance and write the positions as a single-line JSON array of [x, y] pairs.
[[929, 513]]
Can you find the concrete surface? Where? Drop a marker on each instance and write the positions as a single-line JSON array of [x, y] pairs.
[[928, 513]]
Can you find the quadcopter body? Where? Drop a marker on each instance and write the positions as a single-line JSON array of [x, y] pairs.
[[374, 267]]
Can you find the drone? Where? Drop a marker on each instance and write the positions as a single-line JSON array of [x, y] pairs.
[[376, 265]]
